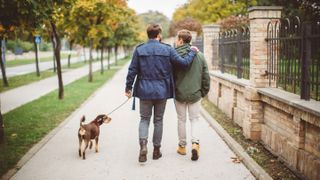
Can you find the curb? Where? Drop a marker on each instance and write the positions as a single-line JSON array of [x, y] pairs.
[[251, 164], [46, 138]]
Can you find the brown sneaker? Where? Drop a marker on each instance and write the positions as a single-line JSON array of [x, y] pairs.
[[181, 150], [195, 151], [143, 151], [156, 153]]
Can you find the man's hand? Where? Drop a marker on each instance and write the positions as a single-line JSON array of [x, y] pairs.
[[194, 48], [128, 94]]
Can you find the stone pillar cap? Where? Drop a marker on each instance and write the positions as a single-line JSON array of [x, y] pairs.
[[265, 8], [211, 26]]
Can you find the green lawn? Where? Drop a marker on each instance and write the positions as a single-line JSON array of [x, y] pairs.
[[28, 124], [18, 62]]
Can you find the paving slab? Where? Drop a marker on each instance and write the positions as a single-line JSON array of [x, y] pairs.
[[58, 157], [19, 96]]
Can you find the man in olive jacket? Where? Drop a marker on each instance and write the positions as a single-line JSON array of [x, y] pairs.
[[151, 70], [191, 84]]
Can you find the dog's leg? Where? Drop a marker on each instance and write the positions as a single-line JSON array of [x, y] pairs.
[[97, 145], [90, 147], [80, 140], [85, 148]]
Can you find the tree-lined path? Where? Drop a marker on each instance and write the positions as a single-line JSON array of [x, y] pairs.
[[16, 97], [118, 156], [29, 68]]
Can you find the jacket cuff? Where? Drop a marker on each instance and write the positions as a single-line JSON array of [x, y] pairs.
[[128, 89]]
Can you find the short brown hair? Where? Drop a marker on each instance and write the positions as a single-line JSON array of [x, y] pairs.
[[185, 35], [153, 30]]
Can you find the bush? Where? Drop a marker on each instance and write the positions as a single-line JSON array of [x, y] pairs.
[[24, 45], [44, 46]]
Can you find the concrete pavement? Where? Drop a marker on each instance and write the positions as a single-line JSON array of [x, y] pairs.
[[14, 98], [58, 158], [29, 68]]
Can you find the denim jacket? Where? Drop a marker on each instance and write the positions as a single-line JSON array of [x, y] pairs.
[[151, 69]]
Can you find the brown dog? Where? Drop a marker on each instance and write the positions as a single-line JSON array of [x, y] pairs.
[[88, 132]]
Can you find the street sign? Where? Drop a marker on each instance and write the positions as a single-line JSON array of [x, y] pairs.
[[37, 39]]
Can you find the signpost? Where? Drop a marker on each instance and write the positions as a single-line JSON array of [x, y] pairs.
[[37, 40]]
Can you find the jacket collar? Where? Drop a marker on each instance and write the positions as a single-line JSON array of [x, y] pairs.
[[153, 41], [183, 49]]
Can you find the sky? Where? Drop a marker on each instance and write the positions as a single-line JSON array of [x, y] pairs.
[[167, 7]]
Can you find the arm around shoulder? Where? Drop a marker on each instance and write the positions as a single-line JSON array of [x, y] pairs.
[[183, 61]]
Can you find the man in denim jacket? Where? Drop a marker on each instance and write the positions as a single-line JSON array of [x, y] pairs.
[[151, 66]]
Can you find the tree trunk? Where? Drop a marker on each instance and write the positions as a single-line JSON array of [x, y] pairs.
[[84, 54], [3, 67], [109, 52], [54, 56], [69, 56], [90, 61], [57, 49], [116, 54], [37, 57], [1, 128], [102, 69]]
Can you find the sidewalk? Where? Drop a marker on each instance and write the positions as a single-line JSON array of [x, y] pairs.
[[118, 157], [19, 96], [29, 68]]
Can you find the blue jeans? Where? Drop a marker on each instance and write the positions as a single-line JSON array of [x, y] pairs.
[[146, 107]]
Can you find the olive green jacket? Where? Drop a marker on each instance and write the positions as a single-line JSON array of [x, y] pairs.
[[193, 82]]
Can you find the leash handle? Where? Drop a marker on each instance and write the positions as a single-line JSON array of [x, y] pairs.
[[118, 106]]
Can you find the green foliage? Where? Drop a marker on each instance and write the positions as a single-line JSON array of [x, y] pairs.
[[208, 11], [306, 9], [155, 17], [24, 45]]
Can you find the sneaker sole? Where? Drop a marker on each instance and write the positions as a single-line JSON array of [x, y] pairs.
[[181, 153], [195, 155], [143, 158]]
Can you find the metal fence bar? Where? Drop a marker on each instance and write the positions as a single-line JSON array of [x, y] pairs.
[[234, 50], [294, 56]]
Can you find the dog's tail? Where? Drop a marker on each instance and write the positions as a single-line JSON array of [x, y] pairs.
[[82, 120]]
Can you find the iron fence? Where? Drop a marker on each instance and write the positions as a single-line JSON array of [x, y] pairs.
[[294, 56], [234, 52], [198, 42]]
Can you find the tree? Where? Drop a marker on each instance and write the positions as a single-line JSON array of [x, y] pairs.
[[92, 22], [208, 11], [32, 15], [305, 9], [9, 19], [187, 23], [155, 17], [1, 127]]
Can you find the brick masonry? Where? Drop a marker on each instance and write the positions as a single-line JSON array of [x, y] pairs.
[[289, 132]]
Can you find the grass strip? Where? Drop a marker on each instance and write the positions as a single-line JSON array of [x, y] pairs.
[[28, 124], [18, 62], [271, 164]]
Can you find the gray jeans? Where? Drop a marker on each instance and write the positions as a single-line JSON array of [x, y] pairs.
[[146, 107]]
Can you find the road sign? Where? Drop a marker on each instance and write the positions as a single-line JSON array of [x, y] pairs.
[[37, 39]]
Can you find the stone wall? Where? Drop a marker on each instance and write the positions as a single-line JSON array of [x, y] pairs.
[[290, 132], [288, 126]]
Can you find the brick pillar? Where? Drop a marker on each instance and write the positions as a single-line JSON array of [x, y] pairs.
[[210, 48], [259, 17]]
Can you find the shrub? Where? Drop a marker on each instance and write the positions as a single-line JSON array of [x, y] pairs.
[[24, 45]]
